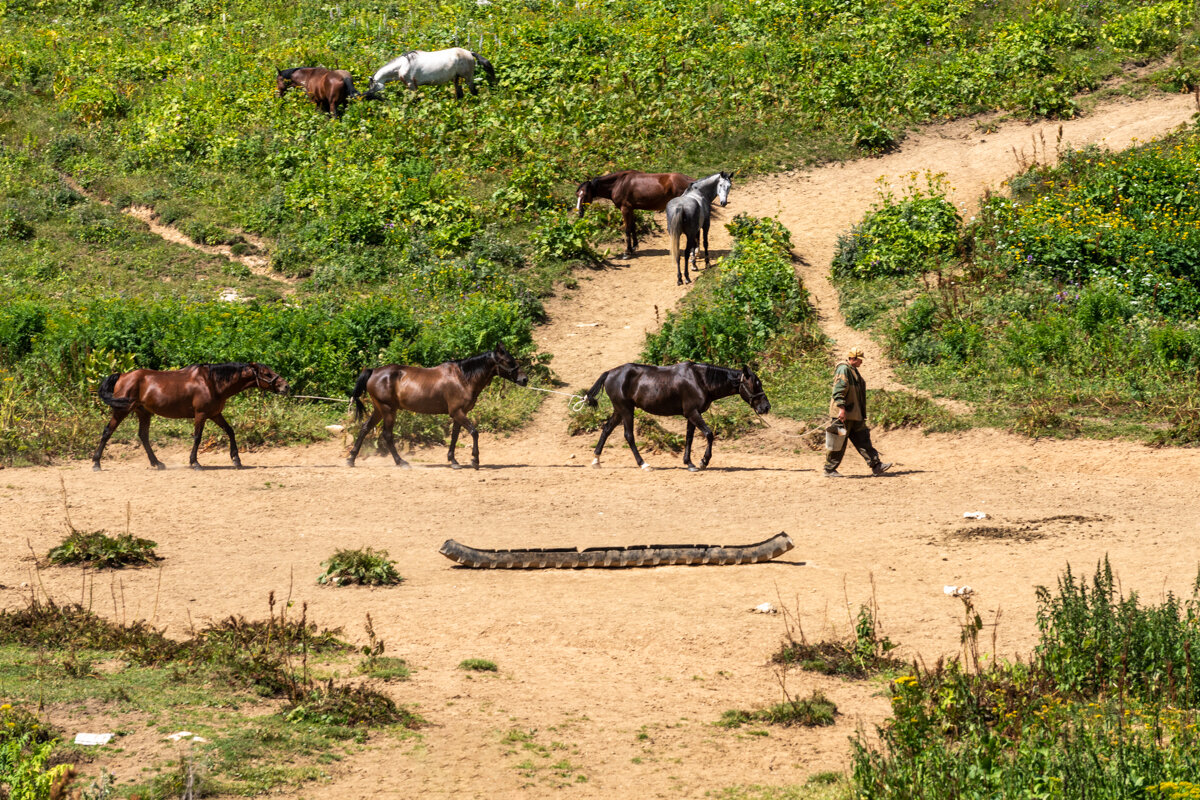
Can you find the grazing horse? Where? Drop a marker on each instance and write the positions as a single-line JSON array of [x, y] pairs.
[[450, 388], [199, 392], [329, 89], [690, 214], [685, 389], [630, 190], [426, 68]]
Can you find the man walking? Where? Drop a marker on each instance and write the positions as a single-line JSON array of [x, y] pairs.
[[848, 409]]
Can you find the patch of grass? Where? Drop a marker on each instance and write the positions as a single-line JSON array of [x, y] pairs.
[[900, 409], [365, 566], [353, 706], [863, 655], [386, 668], [813, 711], [98, 550], [478, 665]]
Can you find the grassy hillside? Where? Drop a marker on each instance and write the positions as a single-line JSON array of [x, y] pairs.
[[422, 227]]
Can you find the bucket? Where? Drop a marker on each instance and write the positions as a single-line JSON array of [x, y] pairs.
[[835, 437]]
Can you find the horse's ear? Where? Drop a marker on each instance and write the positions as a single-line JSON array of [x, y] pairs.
[[746, 371], [500, 348]]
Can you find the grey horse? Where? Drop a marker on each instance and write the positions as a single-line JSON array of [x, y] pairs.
[[690, 214]]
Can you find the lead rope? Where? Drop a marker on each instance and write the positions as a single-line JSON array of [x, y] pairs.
[[577, 406]]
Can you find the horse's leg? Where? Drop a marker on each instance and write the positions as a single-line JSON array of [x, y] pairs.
[[118, 414], [233, 451], [371, 422], [630, 230], [628, 420], [689, 252], [144, 434], [605, 430], [454, 429], [706, 223], [687, 447], [197, 431], [458, 95], [471, 85], [389, 438], [694, 418], [460, 418]]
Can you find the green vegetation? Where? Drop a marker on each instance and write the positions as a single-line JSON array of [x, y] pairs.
[[1071, 307], [1104, 708], [478, 665], [740, 305], [809, 712], [99, 550], [250, 688], [365, 566], [864, 655]]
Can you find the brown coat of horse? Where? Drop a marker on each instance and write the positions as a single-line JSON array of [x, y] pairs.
[[329, 89], [686, 389], [198, 392], [630, 190], [450, 388]]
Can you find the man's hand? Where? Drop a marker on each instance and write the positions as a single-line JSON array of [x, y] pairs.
[[842, 414]]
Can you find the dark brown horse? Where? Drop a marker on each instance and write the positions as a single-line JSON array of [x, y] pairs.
[[686, 390], [631, 190], [329, 89], [450, 388], [198, 392]]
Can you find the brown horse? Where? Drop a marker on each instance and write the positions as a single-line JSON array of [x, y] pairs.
[[629, 190], [450, 388], [329, 89], [685, 389], [199, 392]]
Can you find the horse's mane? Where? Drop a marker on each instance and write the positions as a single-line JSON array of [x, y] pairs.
[[224, 374], [714, 374], [474, 365], [288, 73]]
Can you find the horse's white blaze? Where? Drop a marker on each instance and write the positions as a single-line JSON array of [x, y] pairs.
[[723, 187], [578, 200]]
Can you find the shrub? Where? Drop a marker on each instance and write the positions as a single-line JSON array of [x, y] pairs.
[[99, 550], [478, 665], [813, 711], [366, 567]]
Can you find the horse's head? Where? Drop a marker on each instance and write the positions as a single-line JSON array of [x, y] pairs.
[[724, 184], [507, 366], [266, 379], [750, 389], [583, 195], [282, 83]]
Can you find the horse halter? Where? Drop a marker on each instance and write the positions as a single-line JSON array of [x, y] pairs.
[[746, 394], [258, 379]]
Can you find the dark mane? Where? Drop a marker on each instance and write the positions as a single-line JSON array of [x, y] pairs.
[[224, 374], [288, 73], [715, 375], [474, 365]]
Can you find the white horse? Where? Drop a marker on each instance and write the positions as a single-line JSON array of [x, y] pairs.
[[425, 68]]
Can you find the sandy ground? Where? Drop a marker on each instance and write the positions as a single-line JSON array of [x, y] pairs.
[[622, 673]]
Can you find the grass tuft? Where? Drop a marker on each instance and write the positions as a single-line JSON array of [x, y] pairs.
[[478, 665], [98, 550], [365, 566]]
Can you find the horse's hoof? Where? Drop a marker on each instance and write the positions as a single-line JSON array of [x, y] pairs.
[[160, 466], [404, 465], [474, 465], [238, 465], [196, 467], [693, 468], [455, 465], [349, 462], [96, 467], [647, 467], [596, 463]]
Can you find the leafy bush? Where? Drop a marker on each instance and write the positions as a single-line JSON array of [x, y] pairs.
[[913, 233], [744, 302], [99, 550], [366, 567]]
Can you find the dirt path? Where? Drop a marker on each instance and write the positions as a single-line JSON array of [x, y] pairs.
[[618, 675]]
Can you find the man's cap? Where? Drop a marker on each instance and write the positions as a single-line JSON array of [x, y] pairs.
[[854, 352]]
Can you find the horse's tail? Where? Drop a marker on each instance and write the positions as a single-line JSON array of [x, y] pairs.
[[590, 397], [360, 386], [673, 216], [487, 66], [106, 392]]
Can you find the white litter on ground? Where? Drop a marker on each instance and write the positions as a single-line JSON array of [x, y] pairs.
[[958, 591], [974, 515], [93, 738], [180, 735], [765, 608]]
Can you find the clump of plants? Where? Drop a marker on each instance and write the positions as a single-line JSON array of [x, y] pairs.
[[375, 664], [99, 550], [810, 712], [364, 566], [1104, 707], [863, 655], [478, 665]]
